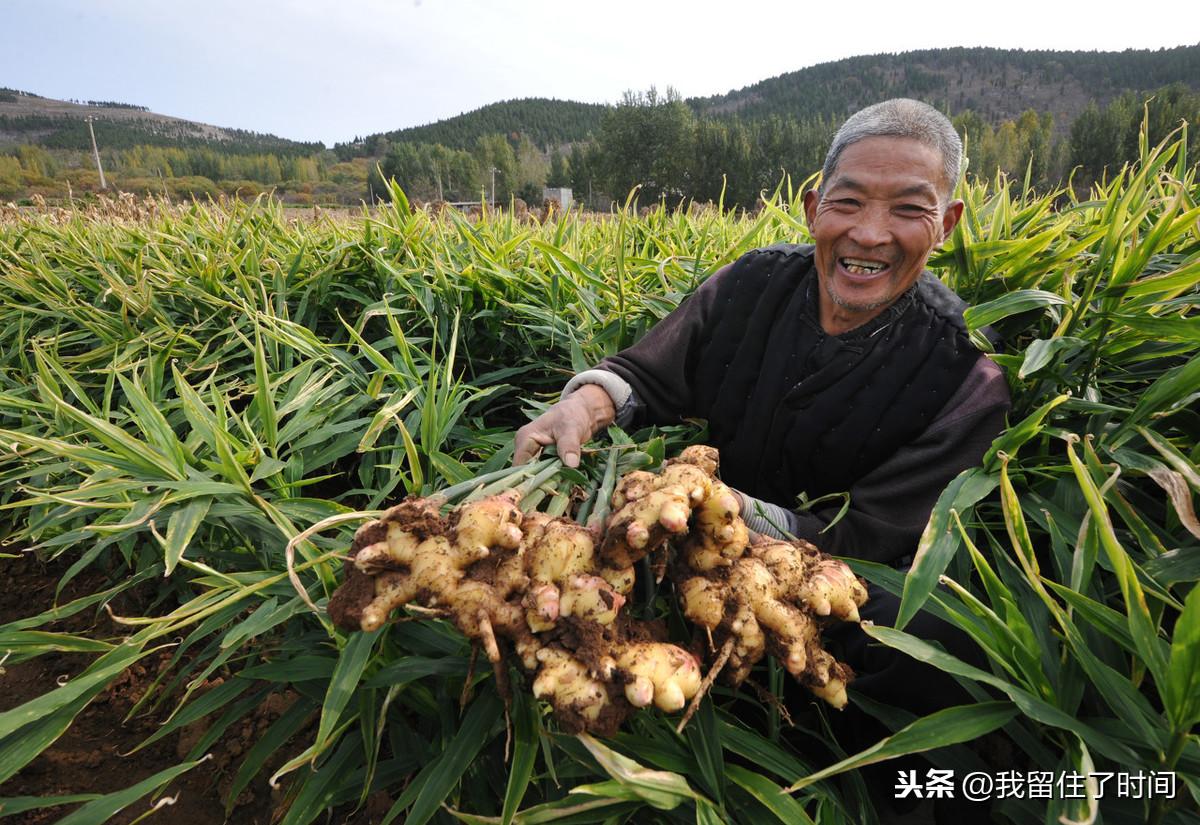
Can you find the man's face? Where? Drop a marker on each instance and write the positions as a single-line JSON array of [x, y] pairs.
[[876, 223]]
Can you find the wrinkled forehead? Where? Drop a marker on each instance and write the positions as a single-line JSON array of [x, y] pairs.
[[903, 166]]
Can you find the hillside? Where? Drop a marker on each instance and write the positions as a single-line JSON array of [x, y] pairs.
[[60, 124], [546, 122], [998, 84], [1054, 114]]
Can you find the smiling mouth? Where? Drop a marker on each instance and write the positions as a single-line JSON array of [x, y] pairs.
[[862, 267]]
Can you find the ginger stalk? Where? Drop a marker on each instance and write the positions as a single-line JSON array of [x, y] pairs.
[[649, 509]]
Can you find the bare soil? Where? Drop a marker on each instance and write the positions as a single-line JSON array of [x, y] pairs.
[[93, 756]]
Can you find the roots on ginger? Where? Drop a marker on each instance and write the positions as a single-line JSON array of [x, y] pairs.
[[552, 591], [764, 595], [525, 581]]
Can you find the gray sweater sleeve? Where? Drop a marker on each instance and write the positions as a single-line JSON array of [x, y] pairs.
[[890, 505], [650, 381], [623, 397]]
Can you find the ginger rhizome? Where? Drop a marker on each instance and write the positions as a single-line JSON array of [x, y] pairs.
[[554, 592], [766, 601], [751, 597], [529, 582]]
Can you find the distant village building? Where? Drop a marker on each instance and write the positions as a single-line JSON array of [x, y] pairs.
[[560, 195]]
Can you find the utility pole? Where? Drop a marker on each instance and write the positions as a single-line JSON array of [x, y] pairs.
[[494, 187], [96, 152]]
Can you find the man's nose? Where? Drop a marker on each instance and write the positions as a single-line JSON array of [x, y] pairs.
[[873, 227]]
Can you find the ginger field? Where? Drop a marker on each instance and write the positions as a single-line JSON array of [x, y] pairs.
[[186, 389]]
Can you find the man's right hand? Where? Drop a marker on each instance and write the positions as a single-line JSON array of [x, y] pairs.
[[567, 425]]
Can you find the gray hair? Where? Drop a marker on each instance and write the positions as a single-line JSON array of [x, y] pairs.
[[900, 117]]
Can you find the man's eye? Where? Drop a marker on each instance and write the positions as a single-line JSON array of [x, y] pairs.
[[911, 209], [848, 203]]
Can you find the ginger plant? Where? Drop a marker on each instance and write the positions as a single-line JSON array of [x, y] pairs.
[[554, 591]]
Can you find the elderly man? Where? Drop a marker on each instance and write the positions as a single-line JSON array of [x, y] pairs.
[[840, 367], [836, 367]]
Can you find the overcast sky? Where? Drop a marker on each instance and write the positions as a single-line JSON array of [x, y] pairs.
[[327, 71]]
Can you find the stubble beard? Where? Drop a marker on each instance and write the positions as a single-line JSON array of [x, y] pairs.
[[844, 303]]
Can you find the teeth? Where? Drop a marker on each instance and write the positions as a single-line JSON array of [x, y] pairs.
[[861, 267]]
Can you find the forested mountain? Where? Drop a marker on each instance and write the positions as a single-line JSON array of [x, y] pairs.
[[997, 84], [27, 118], [1044, 113], [546, 122], [46, 150], [1047, 116]]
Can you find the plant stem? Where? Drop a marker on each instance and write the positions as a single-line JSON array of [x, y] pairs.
[[1174, 751]]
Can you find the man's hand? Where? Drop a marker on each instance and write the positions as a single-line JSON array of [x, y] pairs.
[[566, 425]]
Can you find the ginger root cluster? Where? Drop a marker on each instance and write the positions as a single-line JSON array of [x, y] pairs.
[[552, 591], [751, 596], [534, 582]]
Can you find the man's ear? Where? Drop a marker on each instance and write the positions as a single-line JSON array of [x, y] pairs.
[[950, 218], [811, 199]]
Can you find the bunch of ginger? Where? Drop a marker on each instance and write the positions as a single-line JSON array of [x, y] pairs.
[[552, 591]]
